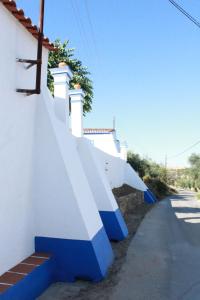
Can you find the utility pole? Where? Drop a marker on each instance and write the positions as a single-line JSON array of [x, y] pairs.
[[166, 168], [166, 161], [114, 123]]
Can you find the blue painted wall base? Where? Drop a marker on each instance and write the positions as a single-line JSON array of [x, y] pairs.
[[114, 225], [78, 259], [148, 197], [153, 196], [33, 285]]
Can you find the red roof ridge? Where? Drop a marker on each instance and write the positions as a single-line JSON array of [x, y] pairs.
[[26, 22]]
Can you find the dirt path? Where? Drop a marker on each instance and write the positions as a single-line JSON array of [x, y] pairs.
[[134, 210]]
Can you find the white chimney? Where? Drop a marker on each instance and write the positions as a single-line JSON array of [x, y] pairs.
[[62, 76], [77, 97]]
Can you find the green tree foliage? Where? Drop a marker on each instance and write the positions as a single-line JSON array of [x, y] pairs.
[[183, 178], [147, 167], [141, 166], [80, 72], [190, 177], [154, 175], [194, 173]]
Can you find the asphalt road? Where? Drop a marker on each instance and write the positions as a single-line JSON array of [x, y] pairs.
[[163, 260]]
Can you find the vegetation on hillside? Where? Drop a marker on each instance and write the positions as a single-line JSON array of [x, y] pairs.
[[154, 175], [189, 178], [80, 72]]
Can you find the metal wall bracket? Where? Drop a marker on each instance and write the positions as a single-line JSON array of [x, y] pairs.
[[38, 61], [31, 62], [28, 92]]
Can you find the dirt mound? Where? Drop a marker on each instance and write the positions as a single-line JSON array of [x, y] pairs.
[[124, 190]]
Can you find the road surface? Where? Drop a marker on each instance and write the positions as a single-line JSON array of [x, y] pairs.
[[163, 260]]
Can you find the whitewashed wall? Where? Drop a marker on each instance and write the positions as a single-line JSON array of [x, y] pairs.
[[65, 207], [43, 187], [132, 178], [107, 148], [17, 119], [113, 167], [96, 176], [117, 170], [106, 142]]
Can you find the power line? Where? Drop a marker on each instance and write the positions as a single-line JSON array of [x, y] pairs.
[[80, 26], [185, 150], [81, 23], [197, 23], [91, 27], [184, 12]]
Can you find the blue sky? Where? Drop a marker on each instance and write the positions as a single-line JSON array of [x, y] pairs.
[[144, 58]]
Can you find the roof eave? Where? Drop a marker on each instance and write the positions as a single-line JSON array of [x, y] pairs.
[[26, 22]]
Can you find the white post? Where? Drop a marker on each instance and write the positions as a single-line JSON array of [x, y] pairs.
[[77, 96], [124, 150], [62, 75]]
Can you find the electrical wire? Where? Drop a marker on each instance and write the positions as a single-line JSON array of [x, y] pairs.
[[197, 23], [81, 23], [184, 12], [185, 150], [80, 27], [91, 27]]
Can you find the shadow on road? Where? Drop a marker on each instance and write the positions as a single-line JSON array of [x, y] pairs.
[[187, 211], [185, 247]]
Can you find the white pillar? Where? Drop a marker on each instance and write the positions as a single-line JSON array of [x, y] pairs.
[[124, 150], [62, 75], [77, 97]]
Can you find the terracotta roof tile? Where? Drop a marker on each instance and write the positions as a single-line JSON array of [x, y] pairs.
[[26, 22], [19, 272], [41, 255], [4, 287], [98, 130], [10, 278], [23, 269], [34, 261]]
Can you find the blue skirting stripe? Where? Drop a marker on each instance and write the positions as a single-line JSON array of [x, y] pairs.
[[78, 258], [33, 284], [148, 197], [114, 224], [153, 196]]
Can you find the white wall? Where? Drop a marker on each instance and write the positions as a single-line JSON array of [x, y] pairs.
[[107, 148], [120, 172], [65, 207], [132, 178], [17, 119], [113, 167], [117, 170], [96, 176], [105, 141], [43, 187], [77, 97]]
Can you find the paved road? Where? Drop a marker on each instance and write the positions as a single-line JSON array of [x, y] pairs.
[[163, 261]]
